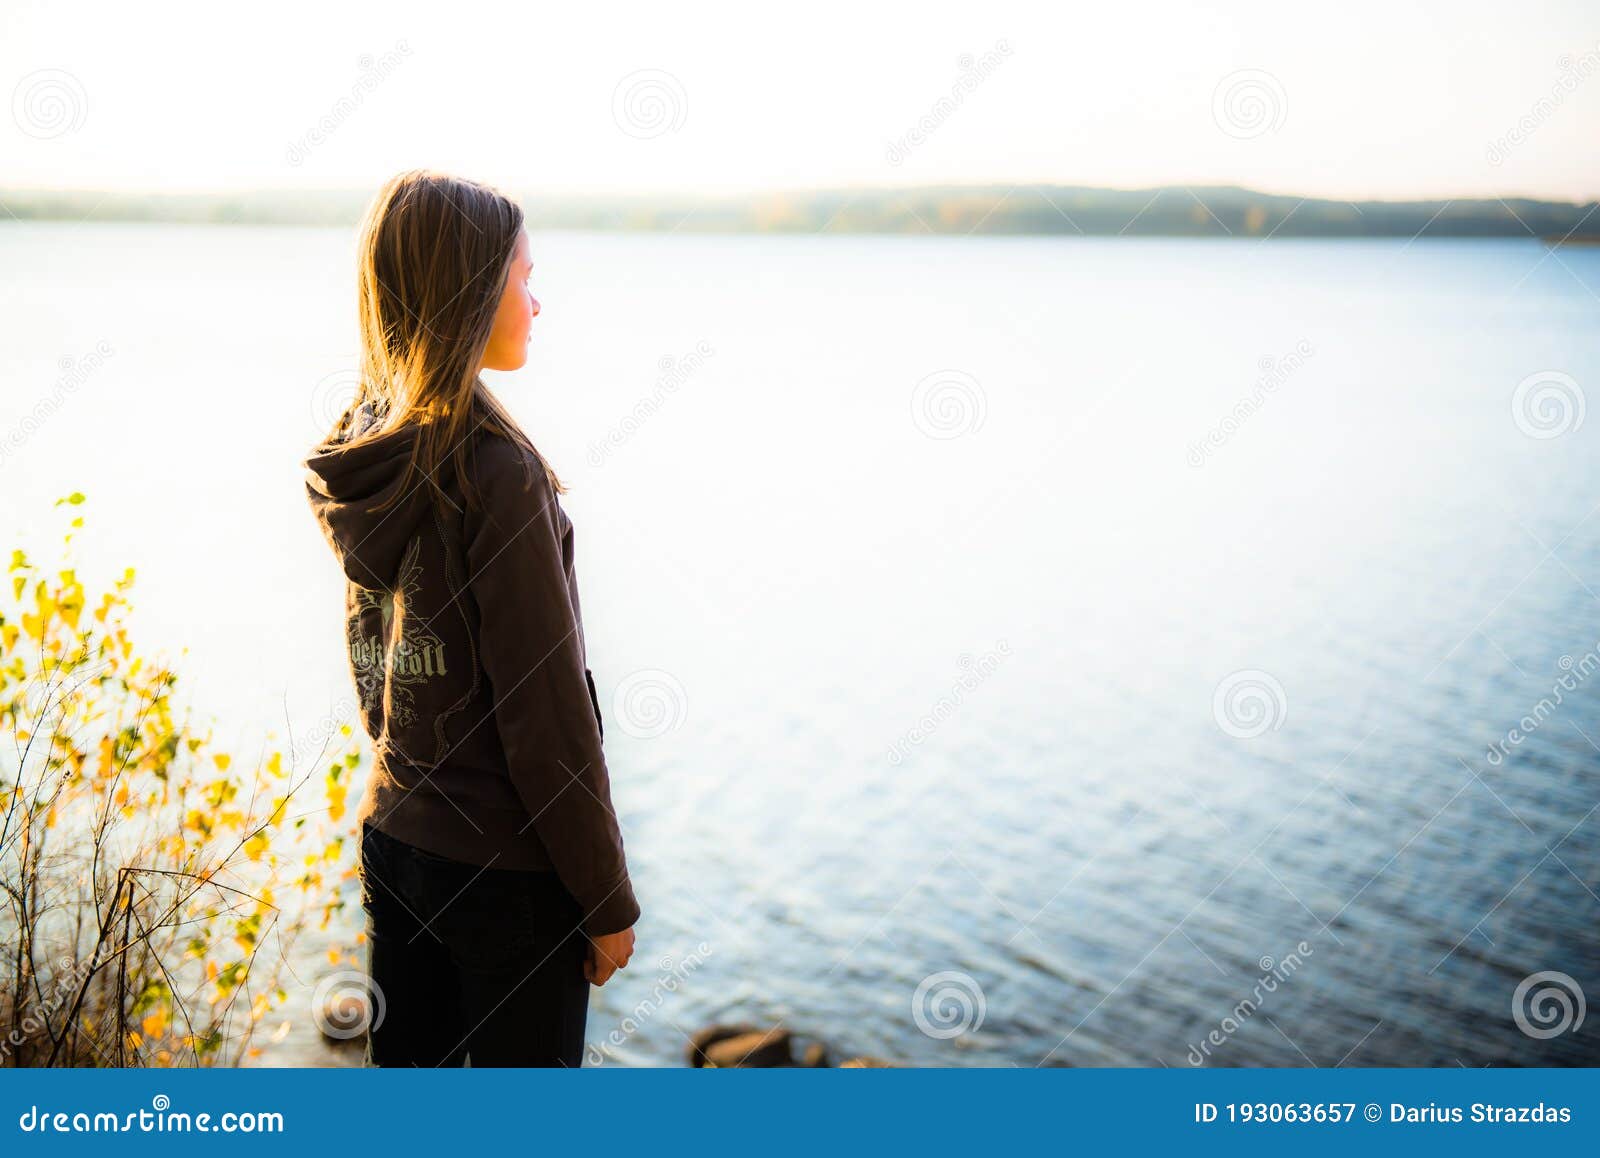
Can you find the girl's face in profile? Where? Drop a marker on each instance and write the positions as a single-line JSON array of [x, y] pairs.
[[513, 322]]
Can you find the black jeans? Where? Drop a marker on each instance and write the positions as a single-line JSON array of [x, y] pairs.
[[468, 962]]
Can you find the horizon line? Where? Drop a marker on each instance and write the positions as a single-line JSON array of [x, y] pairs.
[[987, 186]]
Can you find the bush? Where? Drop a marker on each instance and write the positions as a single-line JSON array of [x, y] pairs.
[[154, 890]]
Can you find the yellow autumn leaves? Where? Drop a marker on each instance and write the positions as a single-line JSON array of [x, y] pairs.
[[179, 880]]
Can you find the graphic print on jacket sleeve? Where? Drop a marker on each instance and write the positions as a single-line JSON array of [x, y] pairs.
[[391, 649]]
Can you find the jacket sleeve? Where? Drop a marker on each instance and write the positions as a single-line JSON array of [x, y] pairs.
[[531, 646], [594, 698]]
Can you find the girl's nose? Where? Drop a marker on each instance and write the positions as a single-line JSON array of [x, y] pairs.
[[535, 306]]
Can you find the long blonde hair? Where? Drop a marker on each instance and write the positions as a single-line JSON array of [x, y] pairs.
[[433, 258]]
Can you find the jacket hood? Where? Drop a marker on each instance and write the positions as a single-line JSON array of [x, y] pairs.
[[343, 484]]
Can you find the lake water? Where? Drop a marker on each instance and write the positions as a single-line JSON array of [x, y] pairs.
[[936, 601]]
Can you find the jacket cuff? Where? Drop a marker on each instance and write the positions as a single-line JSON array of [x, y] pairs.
[[613, 912]]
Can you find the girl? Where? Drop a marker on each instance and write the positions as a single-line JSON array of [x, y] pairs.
[[493, 873]]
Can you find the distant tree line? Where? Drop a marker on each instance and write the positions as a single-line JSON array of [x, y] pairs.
[[1210, 211]]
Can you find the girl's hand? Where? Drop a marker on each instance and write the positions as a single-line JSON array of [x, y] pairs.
[[607, 953]]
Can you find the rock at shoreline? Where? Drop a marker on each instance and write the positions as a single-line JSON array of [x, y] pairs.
[[741, 1047], [746, 1046]]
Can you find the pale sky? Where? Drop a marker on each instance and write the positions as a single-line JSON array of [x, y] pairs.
[[1351, 100]]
